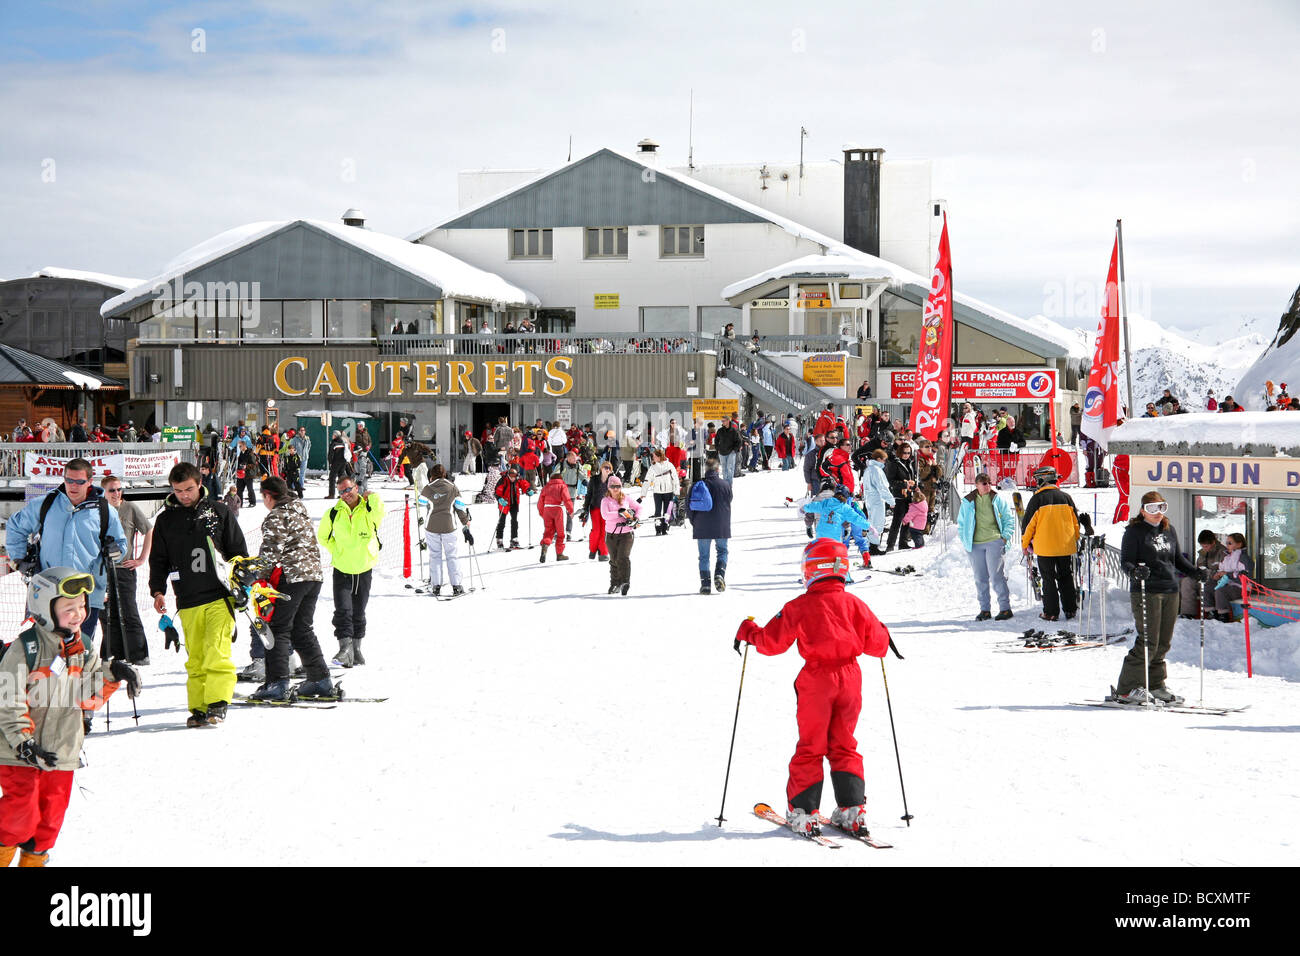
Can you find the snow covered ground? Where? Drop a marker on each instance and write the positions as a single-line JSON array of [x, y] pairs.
[[583, 729]]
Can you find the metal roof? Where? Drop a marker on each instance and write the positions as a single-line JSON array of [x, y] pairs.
[[20, 367]]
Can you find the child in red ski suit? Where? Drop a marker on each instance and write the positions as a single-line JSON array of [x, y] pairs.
[[554, 504], [831, 627]]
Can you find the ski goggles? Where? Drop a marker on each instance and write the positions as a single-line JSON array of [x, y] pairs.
[[75, 585], [1155, 507]]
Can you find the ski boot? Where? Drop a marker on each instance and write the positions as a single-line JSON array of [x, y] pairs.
[[802, 822], [560, 556], [1164, 695], [435, 590], [851, 819], [217, 712], [197, 718], [357, 659], [344, 657], [255, 671], [28, 858], [315, 688], [272, 690], [984, 616], [1003, 615], [1137, 697], [514, 544], [542, 558], [7, 855], [457, 590], [501, 545]]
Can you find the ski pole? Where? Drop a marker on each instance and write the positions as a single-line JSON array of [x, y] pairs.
[[1202, 654], [906, 817], [730, 750], [1146, 637]]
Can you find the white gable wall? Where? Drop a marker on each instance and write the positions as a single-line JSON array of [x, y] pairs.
[[567, 280]]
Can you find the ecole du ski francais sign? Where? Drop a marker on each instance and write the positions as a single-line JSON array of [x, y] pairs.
[[399, 378]]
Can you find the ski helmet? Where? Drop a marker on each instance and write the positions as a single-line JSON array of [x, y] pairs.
[[47, 586], [825, 558], [1045, 475]]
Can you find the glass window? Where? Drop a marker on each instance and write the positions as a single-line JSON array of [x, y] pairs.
[[714, 318], [416, 318], [979, 348], [303, 319], [348, 319], [900, 330], [682, 241], [1220, 514], [217, 320], [666, 319], [262, 321], [608, 242], [168, 326], [1279, 540], [850, 290], [530, 244]]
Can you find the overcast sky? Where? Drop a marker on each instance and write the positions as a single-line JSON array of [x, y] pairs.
[[128, 137]]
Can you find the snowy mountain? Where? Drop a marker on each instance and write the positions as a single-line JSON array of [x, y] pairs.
[[1166, 358], [1280, 362]]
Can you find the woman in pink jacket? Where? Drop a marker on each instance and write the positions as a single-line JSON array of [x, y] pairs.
[[620, 512], [918, 514]]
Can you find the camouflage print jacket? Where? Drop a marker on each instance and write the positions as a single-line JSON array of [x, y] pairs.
[[289, 540]]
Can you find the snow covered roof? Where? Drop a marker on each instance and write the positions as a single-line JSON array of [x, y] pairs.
[[455, 278], [660, 172], [841, 261], [20, 367], [1253, 434], [102, 278]]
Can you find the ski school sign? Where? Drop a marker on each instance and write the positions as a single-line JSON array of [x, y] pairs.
[[1266, 475], [985, 384]]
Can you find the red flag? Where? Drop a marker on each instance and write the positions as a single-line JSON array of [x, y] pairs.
[[406, 539], [1101, 399], [934, 363]]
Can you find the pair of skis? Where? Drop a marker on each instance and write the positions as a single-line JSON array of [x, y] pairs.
[[1035, 641], [765, 812], [1184, 708], [329, 700]]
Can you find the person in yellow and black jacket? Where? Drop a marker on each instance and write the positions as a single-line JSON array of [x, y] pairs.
[[1051, 533]]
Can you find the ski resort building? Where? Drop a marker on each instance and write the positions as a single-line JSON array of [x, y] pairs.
[[601, 291]]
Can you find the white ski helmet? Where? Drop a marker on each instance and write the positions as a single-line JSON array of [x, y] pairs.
[[45, 587]]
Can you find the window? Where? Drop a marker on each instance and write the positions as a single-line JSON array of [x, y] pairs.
[[682, 241], [714, 318], [665, 319], [530, 244], [607, 242], [1279, 529], [850, 290], [218, 320], [979, 348], [262, 321], [304, 319], [348, 319], [900, 330], [169, 325]]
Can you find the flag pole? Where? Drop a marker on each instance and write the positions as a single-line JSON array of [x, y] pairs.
[[1123, 312]]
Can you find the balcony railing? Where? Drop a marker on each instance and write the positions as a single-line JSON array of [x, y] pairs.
[[598, 343]]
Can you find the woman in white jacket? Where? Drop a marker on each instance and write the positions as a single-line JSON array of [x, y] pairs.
[[664, 482], [875, 492]]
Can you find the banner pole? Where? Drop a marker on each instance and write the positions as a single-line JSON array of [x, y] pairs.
[[1123, 311]]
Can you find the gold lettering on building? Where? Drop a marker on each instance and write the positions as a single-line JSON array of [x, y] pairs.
[[459, 378], [557, 370], [327, 383], [282, 381]]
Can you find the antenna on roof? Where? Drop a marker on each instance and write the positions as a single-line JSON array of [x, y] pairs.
[[690, 136], [570, 159]]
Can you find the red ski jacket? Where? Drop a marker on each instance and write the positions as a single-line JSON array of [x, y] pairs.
[[839, 468], [825, 422], [555, 494], [511, 491], [829, 624]]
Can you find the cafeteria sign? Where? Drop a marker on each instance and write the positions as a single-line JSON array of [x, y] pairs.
[[714, 409]]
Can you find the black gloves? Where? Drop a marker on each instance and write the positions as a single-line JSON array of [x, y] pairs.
[[30, 752], [1202, 574], [122, 671], [469, 538], [1140, 572]]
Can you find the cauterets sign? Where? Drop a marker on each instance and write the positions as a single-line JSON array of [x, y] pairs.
[[412, 378], [1214, 475]]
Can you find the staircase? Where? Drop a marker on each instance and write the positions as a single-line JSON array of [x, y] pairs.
[[771, 385]]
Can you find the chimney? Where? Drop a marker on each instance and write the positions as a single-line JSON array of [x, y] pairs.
[[354, 217], [648, 152], [862, 199]]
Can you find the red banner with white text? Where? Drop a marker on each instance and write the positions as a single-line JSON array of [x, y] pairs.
[[1101, 400]]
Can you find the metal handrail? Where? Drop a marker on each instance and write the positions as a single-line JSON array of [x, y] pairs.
[[779, 383]]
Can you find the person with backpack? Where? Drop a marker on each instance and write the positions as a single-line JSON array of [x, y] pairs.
[[349, 531], [445, 507], [75, 527], [709, 510], [41, 725]]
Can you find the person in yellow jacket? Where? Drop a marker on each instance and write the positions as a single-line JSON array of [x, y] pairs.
[[350, 533], [1051, 533]]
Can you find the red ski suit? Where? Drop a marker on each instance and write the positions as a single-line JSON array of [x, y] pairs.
[[832, 627], [553, 504]]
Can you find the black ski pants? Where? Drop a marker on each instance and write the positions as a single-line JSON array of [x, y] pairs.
[[351, 594], [292, 624], [513, 512], [137, 646], [896, 525], [1059, 593]]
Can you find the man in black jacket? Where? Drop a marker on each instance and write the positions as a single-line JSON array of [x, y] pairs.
[[185, 534], [900, 472], [727, 443], [712, 526], [338, 463]]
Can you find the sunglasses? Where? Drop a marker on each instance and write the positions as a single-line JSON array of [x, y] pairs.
[[76, 481], [112, 491], [347, 491], [1155, 507]]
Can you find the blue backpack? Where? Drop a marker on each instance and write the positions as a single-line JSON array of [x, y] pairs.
[[701, 498]]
